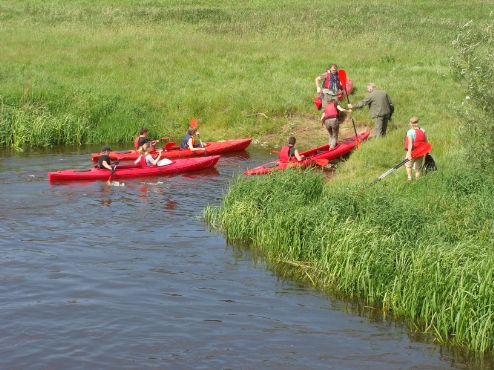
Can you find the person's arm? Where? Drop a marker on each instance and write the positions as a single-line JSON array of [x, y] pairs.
[[107, 166], [343, 109], [322, 119], [157, 159], [367, 100], [191, 147], [409, 150], [318, 78], [298, 156]]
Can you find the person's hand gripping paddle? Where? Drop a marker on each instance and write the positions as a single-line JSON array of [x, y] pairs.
[[419, 151], [343, 80]]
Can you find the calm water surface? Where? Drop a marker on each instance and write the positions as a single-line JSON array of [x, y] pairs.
[[104, 277]]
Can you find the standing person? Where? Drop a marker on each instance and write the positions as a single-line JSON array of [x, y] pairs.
[[289, 151], [415, 136], [188, 141], [331, 85], [331, 118], [380, 108], [104, 159]]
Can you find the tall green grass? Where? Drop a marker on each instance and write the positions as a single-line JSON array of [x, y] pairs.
[[422, 251], [125, 64]]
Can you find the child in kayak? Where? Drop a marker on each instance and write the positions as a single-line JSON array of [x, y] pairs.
[[146, 159], [188, 140], [104, 159], [289, 151], [143, 138]]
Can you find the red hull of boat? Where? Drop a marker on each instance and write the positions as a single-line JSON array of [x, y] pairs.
[[212, 148], [132, 171], [322, 152]]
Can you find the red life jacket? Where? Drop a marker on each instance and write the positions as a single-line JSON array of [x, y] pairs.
[[327, 81], [419, 139], [330, 111], [286, 153], [136, 142], [142, 161]]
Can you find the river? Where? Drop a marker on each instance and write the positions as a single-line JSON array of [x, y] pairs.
[[127, 277]]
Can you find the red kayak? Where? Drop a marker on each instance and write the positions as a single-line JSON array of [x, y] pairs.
[[212, 148], [349, 88], [313, 156], [136, 170]]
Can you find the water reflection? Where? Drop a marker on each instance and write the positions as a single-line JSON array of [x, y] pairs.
[[127, 277]]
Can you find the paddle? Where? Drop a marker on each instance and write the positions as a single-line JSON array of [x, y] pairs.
[[343, 80], [194, 123], [169, 145], [417, 152], [113, 170]]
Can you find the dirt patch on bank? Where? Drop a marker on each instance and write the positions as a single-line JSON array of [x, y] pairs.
[[310, 133]]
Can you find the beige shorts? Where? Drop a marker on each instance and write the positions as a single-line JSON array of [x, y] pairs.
[[416, 163]]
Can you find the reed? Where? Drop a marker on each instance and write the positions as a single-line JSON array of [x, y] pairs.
[[428, 259]]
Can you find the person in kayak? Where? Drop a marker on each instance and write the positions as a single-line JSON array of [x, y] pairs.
[[289, 151], [104, 159], [188, 141], [414, 137], [146, 159], [143, 138], [331, 118]]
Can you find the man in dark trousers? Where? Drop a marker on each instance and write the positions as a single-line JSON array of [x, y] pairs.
[[380, 106]]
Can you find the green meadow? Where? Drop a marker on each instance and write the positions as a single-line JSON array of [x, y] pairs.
[[89, 71]]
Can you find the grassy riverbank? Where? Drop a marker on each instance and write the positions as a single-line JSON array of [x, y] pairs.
[[243, 68], [93, 72]]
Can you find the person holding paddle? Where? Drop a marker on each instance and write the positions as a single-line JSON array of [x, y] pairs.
[[289, 151], [104, 159], [331, 118], [143, 138], [331, 85], [188, 141], [146, 159], [414, 138]]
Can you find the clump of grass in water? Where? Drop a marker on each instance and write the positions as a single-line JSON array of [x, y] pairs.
[[391, 249]]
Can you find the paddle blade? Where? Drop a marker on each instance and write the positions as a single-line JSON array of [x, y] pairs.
[[421, 150], [193, 122], [169, 145], [165, 138], [342, 76], [321, 162]]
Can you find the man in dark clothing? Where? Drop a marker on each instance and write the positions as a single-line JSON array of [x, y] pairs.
[[104, 159], [379, 106]]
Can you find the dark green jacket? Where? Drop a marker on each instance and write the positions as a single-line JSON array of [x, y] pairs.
[[378, 102]]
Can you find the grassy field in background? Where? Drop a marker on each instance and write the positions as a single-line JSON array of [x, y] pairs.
[[96, 71], [114, 66]]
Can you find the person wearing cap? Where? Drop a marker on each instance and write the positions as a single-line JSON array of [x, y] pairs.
[[414, 137], [104, 159], [331, 85], [379, 106]]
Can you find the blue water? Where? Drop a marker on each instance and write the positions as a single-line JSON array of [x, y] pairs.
[[127, 277]]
